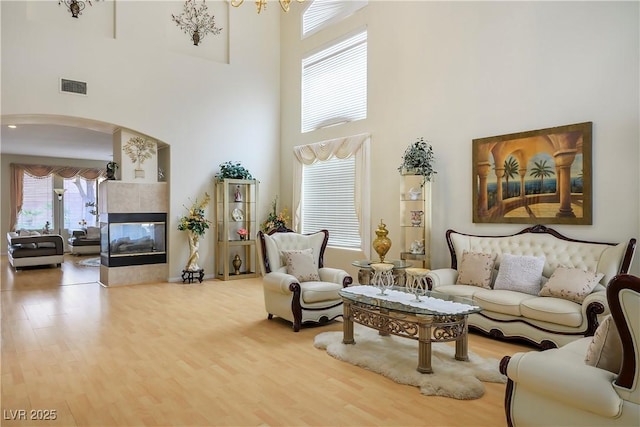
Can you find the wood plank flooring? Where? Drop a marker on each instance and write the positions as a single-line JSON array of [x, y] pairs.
[[173, 354]]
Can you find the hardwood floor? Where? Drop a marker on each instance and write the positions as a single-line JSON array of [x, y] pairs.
[[193, 355]]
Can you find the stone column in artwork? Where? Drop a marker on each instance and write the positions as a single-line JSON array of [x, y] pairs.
[[564, 159]]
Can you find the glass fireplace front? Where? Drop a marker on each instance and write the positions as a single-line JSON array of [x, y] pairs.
[[133, 239]]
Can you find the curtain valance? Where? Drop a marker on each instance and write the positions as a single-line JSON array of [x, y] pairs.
[[341, 148], [40, 171]]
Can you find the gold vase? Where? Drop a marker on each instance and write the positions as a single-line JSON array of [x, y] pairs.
[[382, 243], [237, 262]]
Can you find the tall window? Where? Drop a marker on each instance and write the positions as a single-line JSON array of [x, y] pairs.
[[79, 193], [322, 13], [334, 84], [37, 203]]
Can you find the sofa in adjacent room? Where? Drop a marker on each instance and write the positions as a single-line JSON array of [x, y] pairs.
[[30, 248], [85, 242], [536, 285]]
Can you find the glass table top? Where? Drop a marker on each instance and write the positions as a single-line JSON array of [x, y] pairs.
[[397, 264], [400, 299]]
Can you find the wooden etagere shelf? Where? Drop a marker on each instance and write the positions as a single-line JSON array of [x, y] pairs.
[[415, 220]]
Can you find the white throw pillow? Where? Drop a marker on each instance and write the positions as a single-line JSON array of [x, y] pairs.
[[475, 269], [605, 350], [520, 273], [572, 284], [301, 264]]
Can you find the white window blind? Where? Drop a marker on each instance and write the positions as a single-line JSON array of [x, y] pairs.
[[327, 202], [334, 84], [322, 13], [37, 203]]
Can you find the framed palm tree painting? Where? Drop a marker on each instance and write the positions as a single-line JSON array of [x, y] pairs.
[[534, 177]]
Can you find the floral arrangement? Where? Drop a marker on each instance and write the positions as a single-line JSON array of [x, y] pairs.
[[274, 219], [243, 233], [418, 159], [195, 220], [47, 228], [82, 223]]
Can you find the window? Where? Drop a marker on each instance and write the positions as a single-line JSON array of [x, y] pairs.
[[37, 203], [322, 13], [334, 84], [79, 192], [328, 201], [331, 190]]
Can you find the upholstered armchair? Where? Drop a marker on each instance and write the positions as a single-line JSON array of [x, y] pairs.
[[297, 286], [589, 382]]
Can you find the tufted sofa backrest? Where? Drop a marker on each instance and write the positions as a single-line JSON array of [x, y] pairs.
[[606, 258], [275, 243]]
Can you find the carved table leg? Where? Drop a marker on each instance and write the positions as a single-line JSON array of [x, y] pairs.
[[347, 324], [424, 348], [462, 343]]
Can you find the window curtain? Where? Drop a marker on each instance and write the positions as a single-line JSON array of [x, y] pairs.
[[39, 171], [341, 148]]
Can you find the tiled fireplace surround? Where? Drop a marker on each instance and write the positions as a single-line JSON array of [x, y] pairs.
[[127, 197]]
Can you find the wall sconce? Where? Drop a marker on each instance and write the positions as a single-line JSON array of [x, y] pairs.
[[196, 22], [60, 193], [262, 4], [75, 6]]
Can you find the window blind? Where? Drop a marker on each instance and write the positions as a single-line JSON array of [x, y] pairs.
[[322, 13], [328, 197], [334, 84], [37, 203]]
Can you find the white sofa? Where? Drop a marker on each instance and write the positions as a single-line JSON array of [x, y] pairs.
[[588, 382], [30, 248], [545, 321]]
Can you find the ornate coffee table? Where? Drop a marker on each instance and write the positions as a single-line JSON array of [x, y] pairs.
[[437, 317]]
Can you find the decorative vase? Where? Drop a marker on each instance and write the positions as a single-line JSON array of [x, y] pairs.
[[194, 244], [237, 262], [382, 243], [416, 218]]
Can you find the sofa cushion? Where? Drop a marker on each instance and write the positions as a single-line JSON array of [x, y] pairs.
[[93, 233], [476, 269], [301, 264], [501, 301], [553, 310], [313, 292], [520, 273], [573, 284], [605, 349], [466, 291]]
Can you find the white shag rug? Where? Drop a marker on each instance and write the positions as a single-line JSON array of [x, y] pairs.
[[90, 262], [397, 358]]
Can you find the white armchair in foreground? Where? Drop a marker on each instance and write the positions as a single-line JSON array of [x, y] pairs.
[[297, 286], [559, 388]]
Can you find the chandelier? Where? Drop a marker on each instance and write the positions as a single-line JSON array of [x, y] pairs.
[[75, 6], [262, 4], [196, 22]]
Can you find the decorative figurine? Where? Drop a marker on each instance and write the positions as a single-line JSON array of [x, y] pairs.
[[238, 194]]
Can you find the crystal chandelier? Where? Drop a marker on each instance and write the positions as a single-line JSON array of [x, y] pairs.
[[262, 4], [75, 6], [196, 22]]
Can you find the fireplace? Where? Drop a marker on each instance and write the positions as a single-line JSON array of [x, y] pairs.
[[133, 239]]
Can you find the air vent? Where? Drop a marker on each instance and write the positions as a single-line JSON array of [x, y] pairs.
[[73, 86]]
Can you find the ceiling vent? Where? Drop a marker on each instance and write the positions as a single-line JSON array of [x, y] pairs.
[[73, 86]]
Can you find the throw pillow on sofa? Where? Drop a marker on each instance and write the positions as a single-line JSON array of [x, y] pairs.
[[520, 273], [476, 269], [301, 264], [572, 284], [605, 350]]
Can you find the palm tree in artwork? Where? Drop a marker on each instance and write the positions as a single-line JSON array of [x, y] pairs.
[[510, 170], [540, 170]]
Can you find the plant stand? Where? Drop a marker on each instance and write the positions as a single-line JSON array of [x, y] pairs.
[[189, 276]]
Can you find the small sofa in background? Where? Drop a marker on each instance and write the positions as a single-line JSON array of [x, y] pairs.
[[30, 248], [562, 301], [84, 242]]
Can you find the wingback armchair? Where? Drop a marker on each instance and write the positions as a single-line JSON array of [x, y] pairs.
[[297, 286], [588, 382]]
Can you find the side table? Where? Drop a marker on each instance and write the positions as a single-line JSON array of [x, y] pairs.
[[366, 273], [190, 276]]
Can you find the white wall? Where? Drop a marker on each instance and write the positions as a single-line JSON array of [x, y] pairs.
[[455, 71], [208, 108]]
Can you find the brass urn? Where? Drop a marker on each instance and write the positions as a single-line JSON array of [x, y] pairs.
[[237, 262], [382, 243]]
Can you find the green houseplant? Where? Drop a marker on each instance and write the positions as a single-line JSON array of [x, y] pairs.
[[233, 170], [418, 159]]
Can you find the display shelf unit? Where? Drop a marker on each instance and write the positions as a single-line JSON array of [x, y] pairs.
[[236, 207], [415, 220]]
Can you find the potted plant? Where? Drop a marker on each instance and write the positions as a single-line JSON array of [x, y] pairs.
[[418, 160], [112, 167], [233, 171]]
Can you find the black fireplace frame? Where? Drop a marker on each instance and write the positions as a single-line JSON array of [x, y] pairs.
[[139, 217]]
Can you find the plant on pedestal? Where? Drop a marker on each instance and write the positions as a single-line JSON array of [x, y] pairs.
[[418, 160], [195, 224]]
